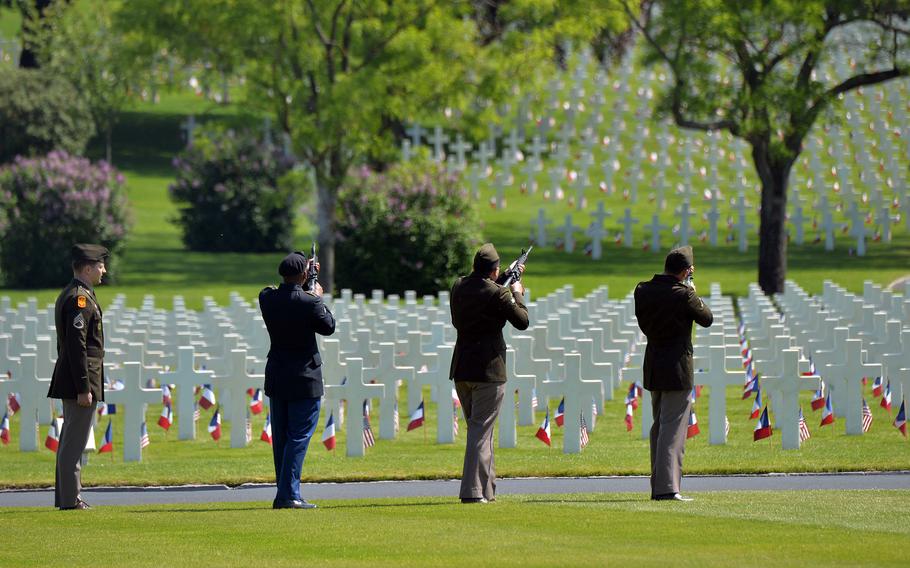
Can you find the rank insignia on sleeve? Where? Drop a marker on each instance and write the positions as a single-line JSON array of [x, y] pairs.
[[79, 322], [80, 301]]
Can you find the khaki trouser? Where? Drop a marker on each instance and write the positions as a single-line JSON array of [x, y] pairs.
[[77, 423], [668, 439], [480, 403]]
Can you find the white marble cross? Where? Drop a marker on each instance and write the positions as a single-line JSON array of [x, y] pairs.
[[438, 378], [508, 435], [713, 217], [627, 222], [438, 140], [460, 147], [596, 233], [742, 227], [858, 229], [236, 382], [189, 127], [655, 228], [134, 398], [578, 393], [787, 386], [354, 391], [846, 379], [32, 396], [415, 132], [827, 224], [797, 220], [540, 225], [568, 233], [716, 377], [185, 377], [388, 374], [526, 365]]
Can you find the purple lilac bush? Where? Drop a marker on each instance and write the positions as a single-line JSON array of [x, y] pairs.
[[413, 227], [50, 202], [230, 196]]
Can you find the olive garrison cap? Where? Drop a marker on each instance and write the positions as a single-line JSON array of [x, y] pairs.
[[486, 258], [679, 259], [91, 253], [293, 264]]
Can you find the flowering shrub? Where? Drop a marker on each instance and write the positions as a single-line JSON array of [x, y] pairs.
[[51, 202], [411, 228], [40, 111], [231, 196]]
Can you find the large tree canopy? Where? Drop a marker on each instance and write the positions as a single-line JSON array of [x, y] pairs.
[[752, 67], [341, 74]]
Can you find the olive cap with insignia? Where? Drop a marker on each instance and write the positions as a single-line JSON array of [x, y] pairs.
[[486, 258], [293, 264], [89, 252], [679, 259]]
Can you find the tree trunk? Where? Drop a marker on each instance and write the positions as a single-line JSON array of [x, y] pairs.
[[772, 246], [108, 131], [328, 184]]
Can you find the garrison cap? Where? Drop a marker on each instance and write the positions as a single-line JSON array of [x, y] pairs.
[[89, 252], [679, 259], [486, 258], [293, 264]]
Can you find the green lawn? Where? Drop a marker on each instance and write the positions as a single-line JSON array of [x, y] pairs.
[[612, 451], [812, 528]]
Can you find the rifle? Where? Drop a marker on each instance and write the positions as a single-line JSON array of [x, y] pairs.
[[511, 274], [311, 272]]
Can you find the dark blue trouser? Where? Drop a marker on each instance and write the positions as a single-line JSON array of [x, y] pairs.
[[293, 424]]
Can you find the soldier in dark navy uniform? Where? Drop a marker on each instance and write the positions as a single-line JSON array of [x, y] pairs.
[[480, 309], [78, 373], [293, 374]]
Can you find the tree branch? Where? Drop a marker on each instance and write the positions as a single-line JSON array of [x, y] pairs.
[[313, 13]]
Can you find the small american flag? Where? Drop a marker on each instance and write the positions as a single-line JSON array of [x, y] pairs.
[[584, 432], [249, 427], [726, 426], [396, 417], [455, 419], [533, 398], [803, 428], [867, 417], [143, 436], [196, 413], [368, 439]]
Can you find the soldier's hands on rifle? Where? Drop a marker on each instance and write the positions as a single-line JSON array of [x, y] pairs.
[[517, 285]]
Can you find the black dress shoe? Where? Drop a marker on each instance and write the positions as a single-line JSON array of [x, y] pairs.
[[79, 506], [471, 500], [293, 505], [671, 497]]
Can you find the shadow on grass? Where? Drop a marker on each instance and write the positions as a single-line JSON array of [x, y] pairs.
[[598, 500]]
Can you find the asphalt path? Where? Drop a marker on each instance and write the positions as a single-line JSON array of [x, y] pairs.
[[449, 488]]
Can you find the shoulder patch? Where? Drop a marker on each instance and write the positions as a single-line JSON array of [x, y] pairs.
[[81, 301]]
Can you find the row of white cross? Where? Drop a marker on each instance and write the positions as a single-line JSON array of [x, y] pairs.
[[578, 349]]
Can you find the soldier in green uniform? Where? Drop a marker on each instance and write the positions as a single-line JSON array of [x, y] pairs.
[[480, 309], [78, 374]]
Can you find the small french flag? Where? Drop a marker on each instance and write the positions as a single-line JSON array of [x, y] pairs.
[[757, 405], [215, 425], [328, 434], [108, 445], [53, 435], [763, 427], [629, 419], [828, 412], [107, 409], [543, 433], [266, 435], [167, 417], [632, 396], [416, 417], [877, 386], [4, 429], [692, 429], [166, 395], [12, 401], [559, 418], [900, 421], [207, 400], [256, 402], [886, 398], [818, 399]]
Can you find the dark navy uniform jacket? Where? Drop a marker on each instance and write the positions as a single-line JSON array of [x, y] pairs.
[[293, 318], [80, 344]]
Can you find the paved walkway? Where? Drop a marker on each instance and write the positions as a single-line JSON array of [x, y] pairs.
[[449, 488]]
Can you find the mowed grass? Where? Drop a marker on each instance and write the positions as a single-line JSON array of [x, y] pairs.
[[415, 455], [812, 528]]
